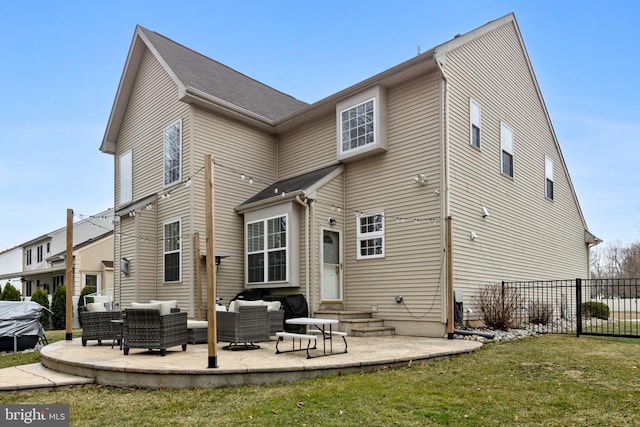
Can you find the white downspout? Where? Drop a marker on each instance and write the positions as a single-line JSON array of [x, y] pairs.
[[447, 196], [447, 202], [306, 244]]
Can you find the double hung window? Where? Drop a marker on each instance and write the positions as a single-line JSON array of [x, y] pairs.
[[370, 235], [267, 250], [172, 152], [171, 251], [475, 123], [126, 180], [506, 145], [548, 177]]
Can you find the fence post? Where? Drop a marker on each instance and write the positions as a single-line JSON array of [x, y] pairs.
[[502, 297], [578, 307]]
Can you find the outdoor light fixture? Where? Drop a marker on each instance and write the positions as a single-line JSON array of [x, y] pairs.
[[485, 212], [332, 221], [420, 179]]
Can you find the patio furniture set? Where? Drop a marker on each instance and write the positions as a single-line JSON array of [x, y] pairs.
[[161, 325]]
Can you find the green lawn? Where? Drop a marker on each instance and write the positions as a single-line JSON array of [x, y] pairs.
[[554, 380]]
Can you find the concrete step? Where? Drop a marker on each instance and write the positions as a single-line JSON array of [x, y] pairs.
[[372, 331], [347, 325], [342, 314]]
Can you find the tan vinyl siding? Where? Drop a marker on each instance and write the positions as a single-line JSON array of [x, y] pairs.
[[236, 149], [126, 291], [329, 204], [308, 147], [526, 236], [413, 251], [152, 107]]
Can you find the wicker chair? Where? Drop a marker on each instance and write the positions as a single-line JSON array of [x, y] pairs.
[[276, 321], [146, 328], [243, 328], [96, 325]]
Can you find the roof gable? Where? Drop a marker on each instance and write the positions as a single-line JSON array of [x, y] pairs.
[[197, 77]]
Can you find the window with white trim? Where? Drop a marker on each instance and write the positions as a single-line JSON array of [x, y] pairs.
[[361, 123], [267, 250], [126, 177], [370, 235], [357, 125], [548, 177], [28, 255], [39, 253], [172, 137], [172, 253], [474, 119], [506, 148]]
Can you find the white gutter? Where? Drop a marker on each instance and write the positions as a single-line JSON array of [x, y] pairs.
[[306, 244]]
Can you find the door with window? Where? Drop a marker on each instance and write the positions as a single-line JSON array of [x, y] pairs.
[[331, 280]]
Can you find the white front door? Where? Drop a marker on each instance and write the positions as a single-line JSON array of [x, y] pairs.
[[331, 284]]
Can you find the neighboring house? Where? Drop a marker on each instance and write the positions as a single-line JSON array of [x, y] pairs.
[[43, 262], [11, 262], [345, 200]]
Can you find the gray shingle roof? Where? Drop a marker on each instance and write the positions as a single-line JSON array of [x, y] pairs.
[[211, 77], [292, 185]]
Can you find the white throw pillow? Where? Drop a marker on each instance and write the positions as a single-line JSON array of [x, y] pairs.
[[166, 306], [233, 306], [147, 305], [96, 307], [273, 305]]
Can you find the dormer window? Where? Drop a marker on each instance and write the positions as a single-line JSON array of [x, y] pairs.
[[361, 124]]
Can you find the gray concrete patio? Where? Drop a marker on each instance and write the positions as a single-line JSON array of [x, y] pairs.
[[66, 361]]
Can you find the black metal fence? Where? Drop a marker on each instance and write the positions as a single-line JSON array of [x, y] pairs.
[[606, 307]]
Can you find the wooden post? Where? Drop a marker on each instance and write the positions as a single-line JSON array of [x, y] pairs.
[[68, 280], [212, 335], [196, 245], [450, 319]]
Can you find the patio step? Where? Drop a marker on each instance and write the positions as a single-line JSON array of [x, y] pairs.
[[357, 323], [373, 331], [343, 314]]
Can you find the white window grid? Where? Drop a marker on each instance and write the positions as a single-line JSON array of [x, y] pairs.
[[269, 238], [172, 137], [370, 235], [358, 125]]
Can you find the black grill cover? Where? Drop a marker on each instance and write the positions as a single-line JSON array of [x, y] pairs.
[[294, 305]]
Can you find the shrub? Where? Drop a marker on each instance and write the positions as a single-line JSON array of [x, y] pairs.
[[85, 291], [10, 293], [58, 306], [540, 313], [498, 306], [42, 297], [595, 309]]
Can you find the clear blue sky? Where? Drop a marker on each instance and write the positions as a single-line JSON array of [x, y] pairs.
[[62, 61]]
